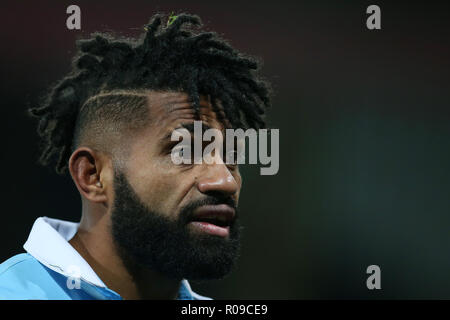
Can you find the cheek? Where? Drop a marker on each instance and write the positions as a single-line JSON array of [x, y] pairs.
[[158, 185]]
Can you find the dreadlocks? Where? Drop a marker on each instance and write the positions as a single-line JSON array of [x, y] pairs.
[[109, 78]]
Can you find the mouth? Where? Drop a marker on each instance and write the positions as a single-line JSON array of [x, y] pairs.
[[213, 219]]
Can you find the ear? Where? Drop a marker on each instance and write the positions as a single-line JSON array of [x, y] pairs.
[[85, 166]]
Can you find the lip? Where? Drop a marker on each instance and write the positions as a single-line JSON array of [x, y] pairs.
[[209, 228], [224, 213], [222, 210]]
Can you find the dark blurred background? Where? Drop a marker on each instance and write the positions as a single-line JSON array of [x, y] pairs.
[[364, 140]]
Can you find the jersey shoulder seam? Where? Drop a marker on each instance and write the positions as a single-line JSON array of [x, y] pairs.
[[24, 258]]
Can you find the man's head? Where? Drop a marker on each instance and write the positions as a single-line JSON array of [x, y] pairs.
[[110, 121], [161, 211]]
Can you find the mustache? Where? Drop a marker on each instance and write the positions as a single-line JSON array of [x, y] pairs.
[[187, 212]]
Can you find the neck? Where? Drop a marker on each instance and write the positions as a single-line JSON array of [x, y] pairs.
[[94, 243]]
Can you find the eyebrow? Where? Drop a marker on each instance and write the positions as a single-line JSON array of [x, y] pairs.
[[189, 126]]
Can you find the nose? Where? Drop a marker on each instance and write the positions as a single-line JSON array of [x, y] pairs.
[[217, 179]]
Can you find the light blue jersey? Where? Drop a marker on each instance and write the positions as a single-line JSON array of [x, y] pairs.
[[53, 269]]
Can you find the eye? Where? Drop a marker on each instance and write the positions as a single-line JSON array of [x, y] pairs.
[[178, 153], [177, 156]]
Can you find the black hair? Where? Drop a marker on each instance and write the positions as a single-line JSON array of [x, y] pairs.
[[174, 53]]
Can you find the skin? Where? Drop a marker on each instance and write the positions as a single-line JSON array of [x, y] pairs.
[[159, 183]]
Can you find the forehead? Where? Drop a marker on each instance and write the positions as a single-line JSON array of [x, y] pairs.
[[168, 110]]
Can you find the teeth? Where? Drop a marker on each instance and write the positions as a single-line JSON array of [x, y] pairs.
[[217, 217], [220, 218]]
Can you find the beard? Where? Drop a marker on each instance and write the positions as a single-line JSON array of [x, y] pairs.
[[148, 239]]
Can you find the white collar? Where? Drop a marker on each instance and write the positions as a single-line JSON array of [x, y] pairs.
[[48, 243]]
